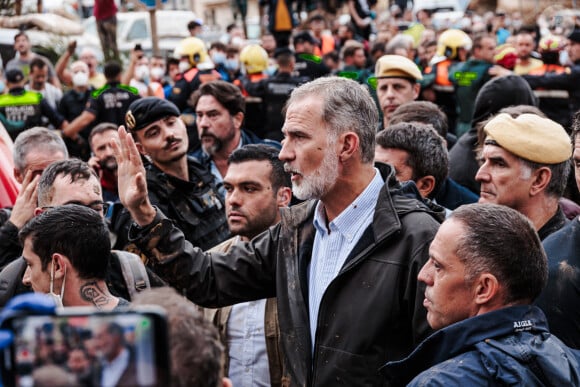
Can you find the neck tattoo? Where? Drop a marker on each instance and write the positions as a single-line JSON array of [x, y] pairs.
[[91, 292]]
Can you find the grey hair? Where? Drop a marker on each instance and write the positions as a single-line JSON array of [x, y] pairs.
[[37, 138]]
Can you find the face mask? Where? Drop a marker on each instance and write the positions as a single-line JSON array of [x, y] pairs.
[[218, 57], [157, 73], [2, 87], [57, 298], [142, 72], [232, 64], [564, 58], [271, 70], [184, 66], [80, 79]]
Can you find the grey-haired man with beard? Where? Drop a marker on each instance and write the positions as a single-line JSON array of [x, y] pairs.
[[343, 265]]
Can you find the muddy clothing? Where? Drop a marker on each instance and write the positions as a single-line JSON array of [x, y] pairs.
[[372, 312]]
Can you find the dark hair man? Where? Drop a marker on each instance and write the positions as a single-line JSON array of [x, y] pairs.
[[179, 185], [103, 160], [118, 364], [525, 166], [561, 297], [257, 187], [220, 109], [335, 245], [67, 250], [486, 267], [38, 82]]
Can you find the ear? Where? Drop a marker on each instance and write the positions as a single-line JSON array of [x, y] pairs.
[[426, 185], [487, 289], [349, 143], [140, 148], [226, 382], [283, 196], [540, 179], [18, 176], [60, 264], [416, 90], [238, 119], [38, 211]]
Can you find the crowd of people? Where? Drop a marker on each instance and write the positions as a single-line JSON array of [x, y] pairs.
[[374, 202]]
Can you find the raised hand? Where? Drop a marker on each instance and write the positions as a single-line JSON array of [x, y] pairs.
[[27, 200], [132, 183]]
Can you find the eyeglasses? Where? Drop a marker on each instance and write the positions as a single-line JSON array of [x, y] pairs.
[[100, 207]]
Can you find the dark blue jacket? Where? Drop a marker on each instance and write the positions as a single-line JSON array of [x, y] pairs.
[[452, 195], [507, 347]]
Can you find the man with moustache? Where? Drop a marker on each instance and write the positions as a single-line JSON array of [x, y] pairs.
[[178, 185], [343, 265], [220, 110], [103, 160]]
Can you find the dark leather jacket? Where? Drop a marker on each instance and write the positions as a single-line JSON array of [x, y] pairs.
[[371, 312]]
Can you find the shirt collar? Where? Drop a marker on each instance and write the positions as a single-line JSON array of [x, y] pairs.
[[362, 207]]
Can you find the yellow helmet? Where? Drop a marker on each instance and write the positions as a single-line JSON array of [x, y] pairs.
[[193, 48], [450, 41], [552, 43], [254, 59]]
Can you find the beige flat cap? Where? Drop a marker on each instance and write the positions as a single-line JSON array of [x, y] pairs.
[[397, 66], [530, 137]]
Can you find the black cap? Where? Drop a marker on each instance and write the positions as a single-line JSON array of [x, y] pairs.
[[304, 36], [14, 76], [575, 36], [145, 111]]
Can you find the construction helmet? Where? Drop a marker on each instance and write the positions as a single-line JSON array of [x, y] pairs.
[[254, 59], [451, 41], [552, 43], [193, 48]]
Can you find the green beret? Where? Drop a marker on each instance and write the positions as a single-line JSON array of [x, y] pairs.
[[145, 111], [397, 66], [530, 137]]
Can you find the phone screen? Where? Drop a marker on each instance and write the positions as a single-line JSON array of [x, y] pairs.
[[127, 348]]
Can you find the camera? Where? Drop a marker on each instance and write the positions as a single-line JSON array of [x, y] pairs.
[[84, 343]]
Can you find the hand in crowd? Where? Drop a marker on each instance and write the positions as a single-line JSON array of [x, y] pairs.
[[498, 71], [27, 200], [132, 183]]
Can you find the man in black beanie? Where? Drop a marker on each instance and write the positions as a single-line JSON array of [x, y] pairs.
[[179, 185]]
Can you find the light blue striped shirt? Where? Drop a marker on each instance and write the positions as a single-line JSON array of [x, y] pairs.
[[333, 245]]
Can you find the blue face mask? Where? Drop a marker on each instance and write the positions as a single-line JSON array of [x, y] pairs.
[[271, 70], [218, 57], [232, 64], [2, 87]]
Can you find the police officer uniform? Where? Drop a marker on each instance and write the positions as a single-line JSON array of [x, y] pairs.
[[309, 65], [21, 109], [110, 102]]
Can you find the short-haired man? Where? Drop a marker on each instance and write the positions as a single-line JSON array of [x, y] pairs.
[[256, 188], [67, 251], [195, 351], [525, 166], [330, 261], [179, 185], [38, 82], [74, 182], [103, 160], [486, 267], [525, 46], [220, 109], [89, 57], [397, 82], [34, 150], [561, 297], [118, 364], [107, 104]]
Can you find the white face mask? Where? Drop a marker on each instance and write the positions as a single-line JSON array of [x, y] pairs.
[[157, 73], [56, 297], [80, 79], [142, 72], [184, 66]]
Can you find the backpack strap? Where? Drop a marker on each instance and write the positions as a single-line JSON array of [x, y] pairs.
[[134, 272]]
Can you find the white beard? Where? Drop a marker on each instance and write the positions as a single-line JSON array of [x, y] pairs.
[[319, 183]]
